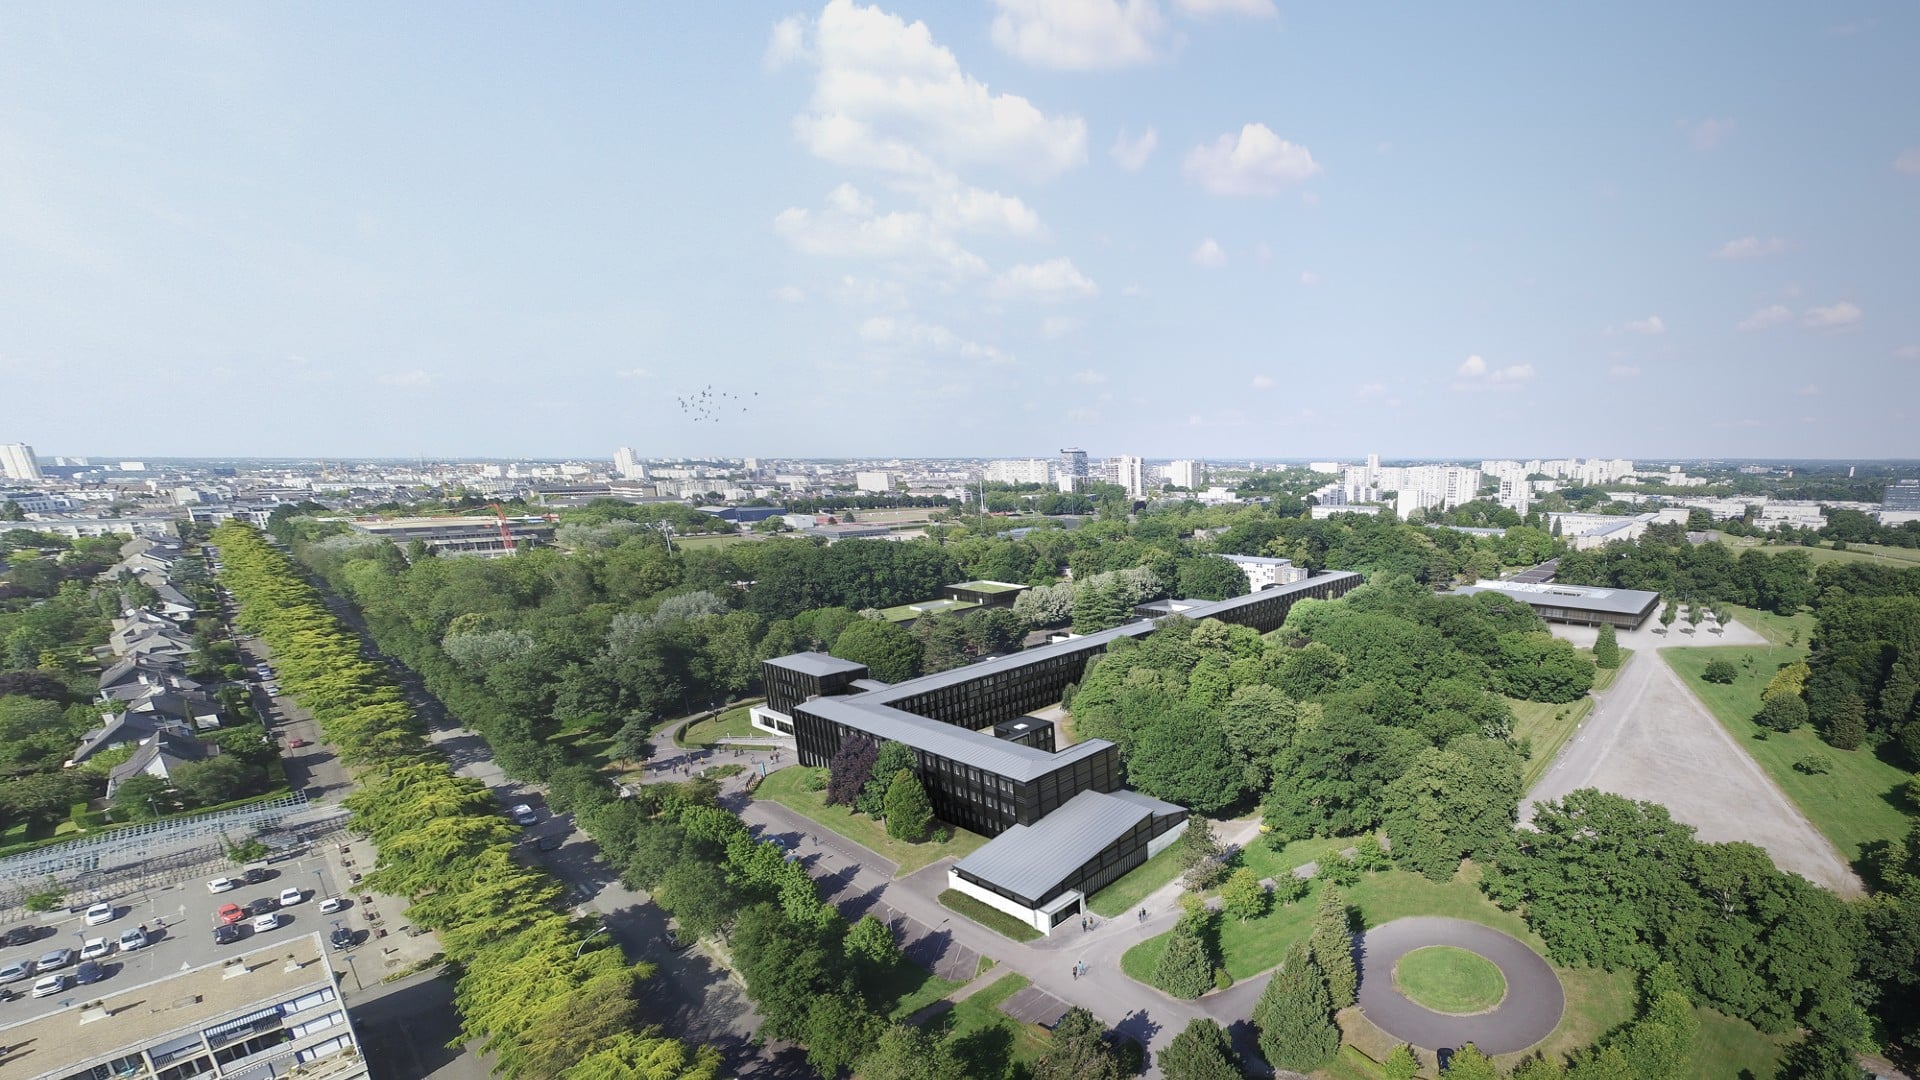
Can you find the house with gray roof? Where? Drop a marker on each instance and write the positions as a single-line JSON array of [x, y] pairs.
[[160, 755]]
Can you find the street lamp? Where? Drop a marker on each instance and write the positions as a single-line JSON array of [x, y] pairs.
[[583, 941], [320, 874], [356, 973]]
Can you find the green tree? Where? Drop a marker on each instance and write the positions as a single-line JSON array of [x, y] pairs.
[[1452, 803], [1330, 944], [1847, 724], [1211, 577], [903, 1052], [1201, 854], [1201, 1051], [1606, 648], [1720, 671], [1782, 712], [1668, 614], [1097, 607], [869, 940], [1184, 758], [1080, 1050], [1294, 1016], [1243, 897], [698, 895], [1185, 969], [840, 1028], [1468, 1063], [1401, 1064], [889, 651], [893, 756], [909, 813], [143, 798]]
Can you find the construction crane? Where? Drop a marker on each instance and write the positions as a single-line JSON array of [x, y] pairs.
[[499, 517]]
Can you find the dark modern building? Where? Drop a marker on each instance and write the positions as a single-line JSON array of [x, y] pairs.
[[992, 767], [1584, 605]]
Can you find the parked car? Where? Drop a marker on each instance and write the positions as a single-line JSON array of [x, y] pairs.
[[95, 948], [290, 896], [231, 914], [226, 934], [263, 904], [341, 937], [332, 904], [257, 872], [522, 814], [14, 973], [90, 972], [264, 923], [50, 985], [133, 937], [100, 914], [223, 884], [54, 958]]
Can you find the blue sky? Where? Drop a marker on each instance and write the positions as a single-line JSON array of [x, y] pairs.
[[1171, 227]]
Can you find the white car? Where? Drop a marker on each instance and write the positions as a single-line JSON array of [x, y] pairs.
[[99, 914], [264, 923], [95, 948], [332, 904], [223, 884], [292, 896], [50, 986], [133, 937], [522, 814]]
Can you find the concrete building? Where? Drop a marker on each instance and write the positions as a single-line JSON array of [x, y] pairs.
[[1799, 514], [75, 528], [482, 536], [1584, 532], [18, 463], [1901, 496], [1581, 604], [1265, 573], [1187, 474], [878, 482], [1073, 467], [275, 1011], [1024, 471], [627, 466], [1131, 473]]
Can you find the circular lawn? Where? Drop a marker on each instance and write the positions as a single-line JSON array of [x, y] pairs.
[[1450, 980]]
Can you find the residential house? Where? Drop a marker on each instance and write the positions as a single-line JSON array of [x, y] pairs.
[[161, 756]]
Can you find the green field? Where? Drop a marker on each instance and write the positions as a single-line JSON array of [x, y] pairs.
[[734, 723], [990, 1044], [788, 788], [1778, 629], [1548, 726], [1858, 802], [711, 540], [1450, 980], [988, 916], [1137, 884]]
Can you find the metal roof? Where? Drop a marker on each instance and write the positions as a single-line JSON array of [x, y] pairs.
[[976, 748], [816, 664], [1579, 597], [1031, 861]]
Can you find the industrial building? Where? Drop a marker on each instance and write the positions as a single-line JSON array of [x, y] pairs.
[[485, 536], [990, 766], [1584, 605]]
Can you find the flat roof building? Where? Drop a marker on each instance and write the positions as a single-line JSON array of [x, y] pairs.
[[272, 1012], [1582, 604], [484, 536]]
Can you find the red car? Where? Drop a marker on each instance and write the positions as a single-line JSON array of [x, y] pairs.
[[231, 914]]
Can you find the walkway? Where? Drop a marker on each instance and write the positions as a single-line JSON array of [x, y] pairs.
[[1528, 1013]]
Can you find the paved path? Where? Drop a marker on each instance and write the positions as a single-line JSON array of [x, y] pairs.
[[1649, 737], [1528, 1013]]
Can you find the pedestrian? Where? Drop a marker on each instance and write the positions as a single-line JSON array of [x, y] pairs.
[[1076, 972], [1143, 914]]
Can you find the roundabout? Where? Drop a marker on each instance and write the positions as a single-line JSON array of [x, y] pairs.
[[1442, 983]]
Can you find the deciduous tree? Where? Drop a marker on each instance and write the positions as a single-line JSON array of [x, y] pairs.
[[909, 813]]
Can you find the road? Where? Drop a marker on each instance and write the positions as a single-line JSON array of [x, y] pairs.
[[1650, 737], [1528, 1013]]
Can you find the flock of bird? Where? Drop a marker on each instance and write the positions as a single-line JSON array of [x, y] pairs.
[[710, 404]]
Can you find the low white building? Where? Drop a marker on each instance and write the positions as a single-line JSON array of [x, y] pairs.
[[878, 482], [1265, 573]]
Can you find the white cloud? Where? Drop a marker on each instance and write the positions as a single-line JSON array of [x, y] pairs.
[[909, 333], [1089, 377], [1751, 247], [849, 228], [788, 294], [1263, 382], [788, 44], [1079, 35], [1055, 327], [1130, 154], [1309, 278], [1259, 9], [635, 373], [1769, 316], [1908, 162], [1209, 254], [1254, 162], [1650, 326], [1050, 282], [1475, 371], [1472, 367], [1371, 389], [1708, 134], [886, 96], [1908, 352], [1514, 373], [1624, 371], [1134, 291], [404, 378], [1083, 416], [1834, 316], [976, 210]]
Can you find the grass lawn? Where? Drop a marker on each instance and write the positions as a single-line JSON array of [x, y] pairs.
[[1726, 1048], [1603, 677], [1857, 802], [1450, 980], [711, 540], [788, 788], [988, 916], [1778, 629], [914, 988], [989, 1043], [1125, 895], [734, 723], [1549, 726], [1266, 861]]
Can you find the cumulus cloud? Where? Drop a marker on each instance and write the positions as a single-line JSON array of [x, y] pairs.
[[1751, 247], [789, 294], [1472, 366], [404, 378], [1708, 134], [1050, 282], [1770, 316], [788, 44], [1263, 382], [1624, 371], [1088, 377], [1835, 316], [1475, 371], [1371, 389], [1209, 254], [975, 210], [909, 333], [1079, 35], [635, 373], [1254, 162], [1055, 327], [1649, 326], [1130, 153], [849, 227], [1258, 9], [1908, 162]]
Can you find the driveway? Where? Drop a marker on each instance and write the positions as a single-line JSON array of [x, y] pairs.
[[1528, 1013], [1649, 737]]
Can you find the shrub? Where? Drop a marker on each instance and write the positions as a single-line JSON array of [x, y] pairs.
[[1606, 647], [1814, 765], [1782, 712], [1720, 671], [1848, 724]]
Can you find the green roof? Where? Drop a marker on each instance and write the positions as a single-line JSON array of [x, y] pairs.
[[910, 612], [987, 586]]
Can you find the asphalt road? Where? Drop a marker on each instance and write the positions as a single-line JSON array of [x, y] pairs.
[[1527, 1015]]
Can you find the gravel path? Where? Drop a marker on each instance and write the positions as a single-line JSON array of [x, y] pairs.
[[1528, 1014]]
